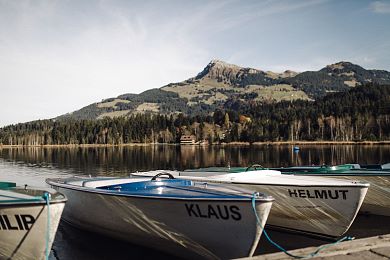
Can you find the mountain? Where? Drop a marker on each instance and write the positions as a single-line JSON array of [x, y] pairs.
[[220, 84]]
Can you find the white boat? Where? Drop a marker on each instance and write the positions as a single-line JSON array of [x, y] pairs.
[[29, 218], [377, 200], [181, 217], [313, 205]]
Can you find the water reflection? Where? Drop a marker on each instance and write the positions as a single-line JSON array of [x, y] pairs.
[[34, 165], [72, 243], [122, 160]]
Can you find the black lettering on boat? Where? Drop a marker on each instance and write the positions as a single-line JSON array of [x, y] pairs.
[[223, 216], [235, 212], [27, 221], [336, 194], [8, 223], [190, 210], [16, 222], [294, 192], [200, 212], [344, 192], [321, 194], [3, 226], [211, 212], [20, 224], [309, 195], [302, 193]]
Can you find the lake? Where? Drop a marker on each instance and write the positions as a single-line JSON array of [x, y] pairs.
[[33, 165]]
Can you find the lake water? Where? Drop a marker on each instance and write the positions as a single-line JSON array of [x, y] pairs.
[[33, 165]]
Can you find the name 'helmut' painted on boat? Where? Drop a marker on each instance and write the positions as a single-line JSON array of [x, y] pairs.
[[16, 222], [319, 194], [222, 212]]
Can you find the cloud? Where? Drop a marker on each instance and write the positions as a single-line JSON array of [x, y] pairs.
[[380, 7], [63, 55]]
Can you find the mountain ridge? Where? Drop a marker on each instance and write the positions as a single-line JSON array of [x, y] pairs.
[[220, 83]]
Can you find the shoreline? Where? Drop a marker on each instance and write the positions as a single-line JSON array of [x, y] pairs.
[[281, 143]]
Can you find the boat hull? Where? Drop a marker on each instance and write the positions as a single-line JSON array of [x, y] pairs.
[[23, 229], [191, 228], [302, 204], [319, 211], [377, 200]]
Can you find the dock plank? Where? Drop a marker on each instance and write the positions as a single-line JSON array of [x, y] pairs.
[[371, 248]]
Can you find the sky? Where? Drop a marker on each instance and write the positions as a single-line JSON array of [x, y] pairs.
[[57, 56]]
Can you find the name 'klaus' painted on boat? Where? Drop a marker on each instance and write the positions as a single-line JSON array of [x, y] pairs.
[[218, 212], [319, 194]]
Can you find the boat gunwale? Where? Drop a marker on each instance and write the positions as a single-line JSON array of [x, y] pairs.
[[324, 174], [215, 179], [34, 200], [310, 171], [359, 185], [244, 198], [337, 170], [9, 204], [211, 180]]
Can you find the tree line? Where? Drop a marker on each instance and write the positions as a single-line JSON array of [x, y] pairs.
[[362, 113]]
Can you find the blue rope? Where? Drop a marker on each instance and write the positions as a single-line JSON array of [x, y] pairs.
[[47, 197], [284, 250]]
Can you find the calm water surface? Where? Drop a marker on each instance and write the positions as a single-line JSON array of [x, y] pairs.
[[33, 165]]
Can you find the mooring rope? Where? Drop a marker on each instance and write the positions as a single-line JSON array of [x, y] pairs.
[[346, 238], [47, 197]]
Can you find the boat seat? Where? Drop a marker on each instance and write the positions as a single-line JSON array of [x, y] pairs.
[[75, 183], [146, 185], [106, 182], [7, 185], [386, 166]]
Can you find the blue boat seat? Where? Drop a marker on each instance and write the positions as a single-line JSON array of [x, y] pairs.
[[7, 185], [97, 183], [146, 185]]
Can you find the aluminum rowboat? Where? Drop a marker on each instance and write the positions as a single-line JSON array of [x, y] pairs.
[[27, 223], [185, 218], [377, 200], [304, 204]]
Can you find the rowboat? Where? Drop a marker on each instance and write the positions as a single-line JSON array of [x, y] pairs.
[[377, 200], [311, 205], [29, 218], [181, 217]]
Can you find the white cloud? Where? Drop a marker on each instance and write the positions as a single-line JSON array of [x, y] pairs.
[[380, 7], [54, 62], [58, 56]]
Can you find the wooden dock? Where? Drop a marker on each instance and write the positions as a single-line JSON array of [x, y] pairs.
[[371, 248]]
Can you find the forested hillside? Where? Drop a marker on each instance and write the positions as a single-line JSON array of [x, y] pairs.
[[220, 83], [362, 113]]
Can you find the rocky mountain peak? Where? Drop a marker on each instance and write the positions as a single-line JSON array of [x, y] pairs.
[[288, 74], [220, 63], [353, 75], [221, 84], [224, 72], [342, 66]]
